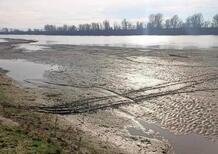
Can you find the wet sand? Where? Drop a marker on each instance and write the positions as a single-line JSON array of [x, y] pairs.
[[118, 93]]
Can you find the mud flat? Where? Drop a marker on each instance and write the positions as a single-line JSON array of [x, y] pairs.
[[141, 100]]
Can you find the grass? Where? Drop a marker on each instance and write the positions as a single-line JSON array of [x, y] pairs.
[[15, 140], [3, 98], [40, 133]]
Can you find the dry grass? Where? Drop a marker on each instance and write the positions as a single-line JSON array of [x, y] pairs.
[[39, 132]]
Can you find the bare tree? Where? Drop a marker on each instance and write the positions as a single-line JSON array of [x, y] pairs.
[[106, 25], [5, 30], [72, 28], [215, 21], [155, 21], [159, 20], [84, 27], [195, 21], [175, 22], [130, 26], [155, 25], [117, 26], [207, 24], [95, 26], [167, 24], [124, 24], [151, 23], [50, 28], [139, 26]]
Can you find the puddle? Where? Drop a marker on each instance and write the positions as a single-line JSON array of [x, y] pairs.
[[31, 47], [138, 81], [2, 40], [21, 70], [182, 144]]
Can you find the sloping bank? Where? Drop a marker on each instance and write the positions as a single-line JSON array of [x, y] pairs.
[[100, 132], [22, 130]]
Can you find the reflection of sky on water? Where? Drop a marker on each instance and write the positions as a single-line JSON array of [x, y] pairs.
[[2, 40], [21, 70], [31, 47], [177, 42], [182, 144]]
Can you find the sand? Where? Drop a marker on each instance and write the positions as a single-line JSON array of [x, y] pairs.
[[176, 89]]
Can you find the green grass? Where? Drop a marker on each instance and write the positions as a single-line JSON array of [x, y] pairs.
[[3, 98], [35, 133], [14, 140]]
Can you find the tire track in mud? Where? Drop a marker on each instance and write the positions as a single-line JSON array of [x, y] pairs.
[[167, 84], [136, 96], [168, 65]]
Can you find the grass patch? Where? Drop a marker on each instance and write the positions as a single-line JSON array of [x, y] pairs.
[[15, 140], [40, 133], [19, 140], [3, 98]]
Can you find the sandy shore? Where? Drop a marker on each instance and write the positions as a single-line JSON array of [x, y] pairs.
[[108, 91]]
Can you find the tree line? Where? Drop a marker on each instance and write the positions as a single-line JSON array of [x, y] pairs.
[[156, 25]]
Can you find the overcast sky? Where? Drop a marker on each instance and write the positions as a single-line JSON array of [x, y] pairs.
[[36, 13]]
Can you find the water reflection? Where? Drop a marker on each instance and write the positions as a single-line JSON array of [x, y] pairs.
[[31, 47], [2, 40], [21, 70], [126, 41], [182, 144]]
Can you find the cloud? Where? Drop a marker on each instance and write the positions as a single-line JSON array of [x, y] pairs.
[[33, 13]]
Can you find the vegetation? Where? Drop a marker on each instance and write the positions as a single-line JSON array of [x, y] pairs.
[[15, 139], [194, 24], [24, 130]]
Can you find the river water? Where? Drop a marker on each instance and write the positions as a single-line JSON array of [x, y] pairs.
[[125, 41], [183, 110]]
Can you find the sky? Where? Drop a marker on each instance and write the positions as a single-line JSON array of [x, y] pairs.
[[36, 13]]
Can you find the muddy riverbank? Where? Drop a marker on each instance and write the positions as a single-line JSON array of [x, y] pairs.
[[112, 92]]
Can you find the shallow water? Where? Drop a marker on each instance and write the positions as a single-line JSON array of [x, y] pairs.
[[126, 41], [21, 70], [182, 144], [97, 69], [2, 40], [30, 47]]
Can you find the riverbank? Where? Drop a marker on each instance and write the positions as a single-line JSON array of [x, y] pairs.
[[139, 100], [100, 132], [24, 130]]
